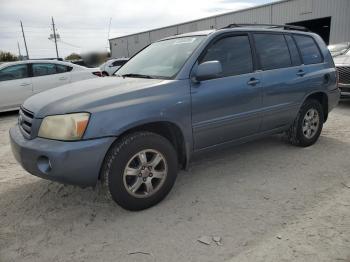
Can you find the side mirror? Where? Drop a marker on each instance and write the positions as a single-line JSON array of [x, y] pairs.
[[208, 70]]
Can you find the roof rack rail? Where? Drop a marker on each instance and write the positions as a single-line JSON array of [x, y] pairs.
[[270, 26]]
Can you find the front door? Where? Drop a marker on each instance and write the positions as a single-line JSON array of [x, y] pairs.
[[227, 107]]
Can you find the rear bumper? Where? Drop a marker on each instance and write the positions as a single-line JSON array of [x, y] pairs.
[[76, 163], [333, 99]]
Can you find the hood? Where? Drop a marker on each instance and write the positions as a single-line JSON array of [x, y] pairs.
[[342, 60], [87, 95]]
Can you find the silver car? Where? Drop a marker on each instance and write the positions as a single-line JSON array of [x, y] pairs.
[[341, 56]]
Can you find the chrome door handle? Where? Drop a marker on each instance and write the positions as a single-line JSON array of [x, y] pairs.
[[25, 84], [253, 82], [301, 73]]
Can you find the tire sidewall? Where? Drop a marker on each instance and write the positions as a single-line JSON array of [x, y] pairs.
[[304, 141], [115, 176]]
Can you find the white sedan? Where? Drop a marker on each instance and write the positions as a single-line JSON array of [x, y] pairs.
[[108, 68], [20, 80]]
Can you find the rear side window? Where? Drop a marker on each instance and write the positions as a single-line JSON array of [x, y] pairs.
[[14, 72], [119, 63], [233, 53], [44, 69], [272, 51], [294, 54], [63, 69], [309, 49]]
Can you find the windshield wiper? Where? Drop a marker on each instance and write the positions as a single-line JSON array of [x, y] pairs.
[[137, 76]]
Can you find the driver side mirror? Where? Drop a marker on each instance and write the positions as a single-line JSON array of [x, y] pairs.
[[208, 70]]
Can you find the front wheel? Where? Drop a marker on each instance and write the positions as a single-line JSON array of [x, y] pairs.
[[140, 170], [308, 124]]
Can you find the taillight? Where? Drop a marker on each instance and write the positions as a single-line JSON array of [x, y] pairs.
[[98, 73]]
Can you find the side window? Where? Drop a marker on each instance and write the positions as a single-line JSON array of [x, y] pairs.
[[14, 72], [63, 68], [294, 54], [43, 69], [118, 63], [233, 53], [272, 51], [309, 50]]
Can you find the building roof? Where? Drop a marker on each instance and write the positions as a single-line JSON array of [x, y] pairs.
[[204, 18]]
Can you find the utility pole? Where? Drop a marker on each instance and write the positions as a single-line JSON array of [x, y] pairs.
[[25, 43], [54, 35], [19, 52]]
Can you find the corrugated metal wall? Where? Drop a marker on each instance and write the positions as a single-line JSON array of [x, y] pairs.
[[283, 12]]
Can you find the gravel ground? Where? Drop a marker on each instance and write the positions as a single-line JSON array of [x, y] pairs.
[[267, 200]]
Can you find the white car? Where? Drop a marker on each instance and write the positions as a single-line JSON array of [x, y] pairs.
[[108, 68], [20, 80]]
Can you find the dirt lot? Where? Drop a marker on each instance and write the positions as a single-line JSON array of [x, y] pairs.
[[267, 200]]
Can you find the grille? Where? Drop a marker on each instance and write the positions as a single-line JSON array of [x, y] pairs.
[[344, 74], [25, 120]]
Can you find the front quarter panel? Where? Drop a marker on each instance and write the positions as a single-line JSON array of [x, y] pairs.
[[169, 101]]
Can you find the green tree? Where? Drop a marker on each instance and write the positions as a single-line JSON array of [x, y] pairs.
[[73, 56], [7, 57]]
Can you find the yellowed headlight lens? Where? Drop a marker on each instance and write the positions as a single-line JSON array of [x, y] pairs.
[[64, 127]]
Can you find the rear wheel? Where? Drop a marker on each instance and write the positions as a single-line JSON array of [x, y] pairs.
[[308, 124], [140, 170]]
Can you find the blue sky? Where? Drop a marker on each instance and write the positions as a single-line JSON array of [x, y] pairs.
[[83, 24]]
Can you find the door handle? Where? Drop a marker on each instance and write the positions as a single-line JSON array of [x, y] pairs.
[[63, 78], [25, 84], [253, 82], [301, 73]]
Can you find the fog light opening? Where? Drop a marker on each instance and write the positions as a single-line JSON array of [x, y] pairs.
[[44, 164]]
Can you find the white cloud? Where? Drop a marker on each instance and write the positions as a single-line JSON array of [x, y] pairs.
[[84, 23]]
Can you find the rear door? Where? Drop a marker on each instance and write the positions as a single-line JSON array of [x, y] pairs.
[[49, 75], [227, 107], [15, 86], [282, 78]]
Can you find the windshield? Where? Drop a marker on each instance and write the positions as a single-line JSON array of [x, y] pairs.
[[339, 49], [162, 59]]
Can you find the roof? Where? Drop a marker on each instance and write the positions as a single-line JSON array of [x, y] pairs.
[[204, 18]]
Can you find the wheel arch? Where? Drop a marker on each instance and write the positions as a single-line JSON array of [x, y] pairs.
[[167, 129], [321, 97]]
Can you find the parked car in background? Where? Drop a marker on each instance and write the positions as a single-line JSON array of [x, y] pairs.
[[341, 56], [20, 80], [178, 97], [108, 68]]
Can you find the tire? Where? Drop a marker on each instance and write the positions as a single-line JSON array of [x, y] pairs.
[[134, 152], [298, 136]]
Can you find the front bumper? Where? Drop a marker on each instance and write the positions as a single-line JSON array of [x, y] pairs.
[[345, 90], [76, 163]]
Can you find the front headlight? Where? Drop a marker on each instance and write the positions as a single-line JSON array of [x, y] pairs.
[[64, 127]]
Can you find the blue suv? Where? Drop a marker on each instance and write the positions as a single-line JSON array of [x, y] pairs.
[[177, 97]]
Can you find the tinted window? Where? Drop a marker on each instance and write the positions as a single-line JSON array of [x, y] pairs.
[[118, 63], [233, 53], [294, 54], [272, 51], [14, 72], [63, 69], [44, 69], [309, 50]]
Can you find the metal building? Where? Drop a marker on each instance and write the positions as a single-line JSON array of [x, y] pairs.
[[328, 18]]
